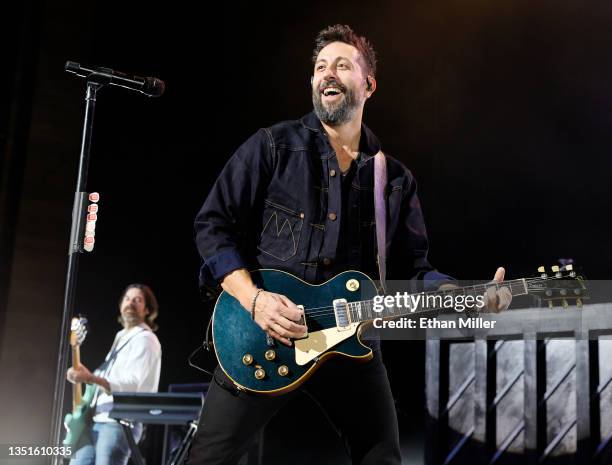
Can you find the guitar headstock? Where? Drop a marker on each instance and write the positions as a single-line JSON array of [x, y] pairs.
[[562, 286], [78, 330]]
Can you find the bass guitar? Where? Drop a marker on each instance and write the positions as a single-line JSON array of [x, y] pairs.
[[335, 314], [79, 419]]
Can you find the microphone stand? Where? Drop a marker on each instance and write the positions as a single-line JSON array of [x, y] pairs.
[[75, 248]]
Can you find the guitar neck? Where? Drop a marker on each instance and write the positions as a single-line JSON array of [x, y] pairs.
[[425, 302], [77, 388]]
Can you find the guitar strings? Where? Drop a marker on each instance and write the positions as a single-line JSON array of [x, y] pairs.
[[331, 315], [325, 310], [450, 291]]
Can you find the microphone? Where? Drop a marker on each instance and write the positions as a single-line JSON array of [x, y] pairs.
[[150, 86]]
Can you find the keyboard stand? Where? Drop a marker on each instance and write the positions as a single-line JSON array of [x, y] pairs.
[[136, 456], [181, 452]]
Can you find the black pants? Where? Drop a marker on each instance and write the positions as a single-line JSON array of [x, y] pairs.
[[357, 396]]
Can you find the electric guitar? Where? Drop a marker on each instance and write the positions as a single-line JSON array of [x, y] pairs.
[[335, 313], [80, 418]]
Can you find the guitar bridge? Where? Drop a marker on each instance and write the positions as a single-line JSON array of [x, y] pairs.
[[342, 314]]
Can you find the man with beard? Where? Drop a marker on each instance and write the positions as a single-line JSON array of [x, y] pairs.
[[132, 365], [298, 197]]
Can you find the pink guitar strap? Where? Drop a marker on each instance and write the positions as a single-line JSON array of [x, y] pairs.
[[380, 214]]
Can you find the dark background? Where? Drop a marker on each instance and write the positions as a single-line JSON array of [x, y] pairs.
[[502, 110]]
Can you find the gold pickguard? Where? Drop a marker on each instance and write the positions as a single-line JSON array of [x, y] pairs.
[[318, 342]]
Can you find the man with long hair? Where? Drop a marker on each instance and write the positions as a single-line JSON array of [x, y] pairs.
[[133, 364]]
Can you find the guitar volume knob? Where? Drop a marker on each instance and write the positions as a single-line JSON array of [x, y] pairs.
[[260, 373], [247, 359], [283, 370], [270, 355]]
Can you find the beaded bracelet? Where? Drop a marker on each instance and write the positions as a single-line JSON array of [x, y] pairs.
[[254, 302]]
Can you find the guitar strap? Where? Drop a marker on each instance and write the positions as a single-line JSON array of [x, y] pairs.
[[109, 360], [380, 214]]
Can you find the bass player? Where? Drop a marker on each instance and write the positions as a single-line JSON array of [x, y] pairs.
[[133, 364]]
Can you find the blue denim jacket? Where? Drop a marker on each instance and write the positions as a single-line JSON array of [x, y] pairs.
[[277, 204]]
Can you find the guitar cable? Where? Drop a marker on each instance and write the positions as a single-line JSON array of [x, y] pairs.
[[207, 345]]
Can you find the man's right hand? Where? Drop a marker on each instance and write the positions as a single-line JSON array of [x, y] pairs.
[[80, 374], [274, 313], [278, 316]]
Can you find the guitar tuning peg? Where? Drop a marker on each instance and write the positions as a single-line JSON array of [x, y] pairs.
[[564, 303], [571, 270], [550, 304], [542, 272], [555, 268], [579, 303]]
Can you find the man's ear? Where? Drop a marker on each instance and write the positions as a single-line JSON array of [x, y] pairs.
[[370, 84]]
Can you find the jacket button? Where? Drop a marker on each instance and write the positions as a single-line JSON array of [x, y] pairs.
[[332, 173], [332, 216], [327, 261]]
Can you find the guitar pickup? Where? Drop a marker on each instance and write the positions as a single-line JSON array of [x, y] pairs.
[[342, 314]]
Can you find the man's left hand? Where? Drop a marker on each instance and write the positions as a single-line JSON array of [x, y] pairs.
[[497, 300]]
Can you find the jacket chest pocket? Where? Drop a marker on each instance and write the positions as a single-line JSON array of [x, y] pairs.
[[282, 228]]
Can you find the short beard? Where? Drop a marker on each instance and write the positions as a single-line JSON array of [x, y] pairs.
[[130, 319], [336, 114]]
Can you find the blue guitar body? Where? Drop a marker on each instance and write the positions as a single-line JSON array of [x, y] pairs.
[[256, 363], [77, 422]]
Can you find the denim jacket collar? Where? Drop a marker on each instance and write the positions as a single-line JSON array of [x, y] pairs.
[[369, 144]]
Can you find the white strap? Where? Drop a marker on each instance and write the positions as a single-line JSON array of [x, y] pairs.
[[380, 214]]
